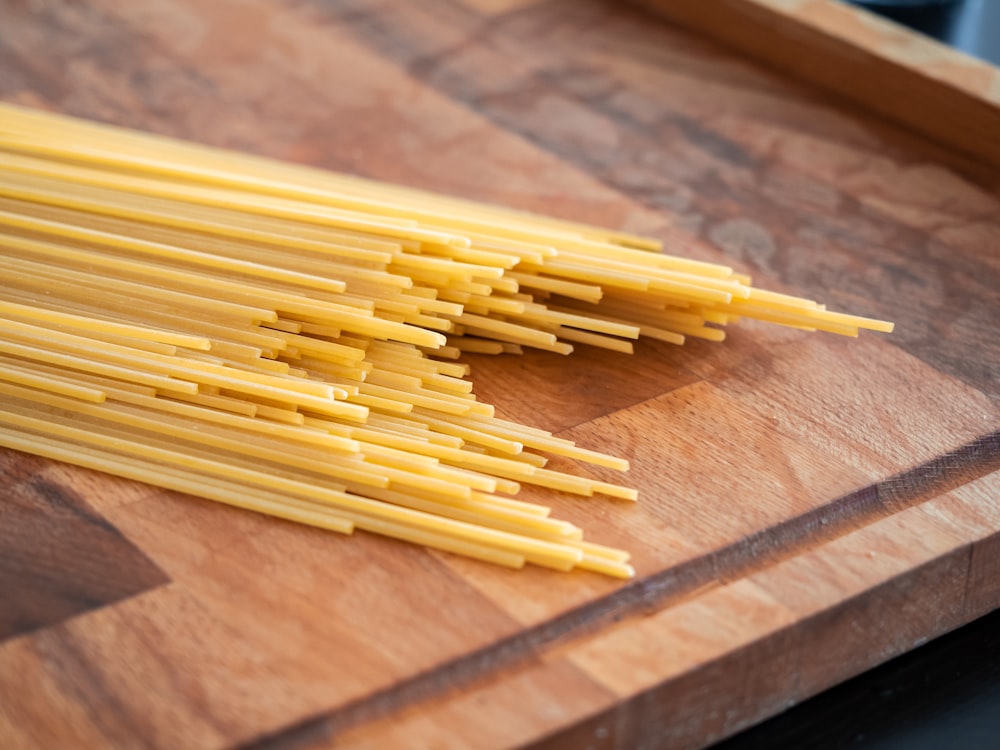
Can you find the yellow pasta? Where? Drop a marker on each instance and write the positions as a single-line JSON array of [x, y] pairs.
[[282, 339]]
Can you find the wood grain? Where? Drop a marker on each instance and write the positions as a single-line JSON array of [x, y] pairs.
[[810, 506], [60, 557], [909, 78]]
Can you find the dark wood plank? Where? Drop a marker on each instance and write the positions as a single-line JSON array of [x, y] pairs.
[[58, 556]]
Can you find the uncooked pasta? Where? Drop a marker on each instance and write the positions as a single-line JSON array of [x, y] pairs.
[[287, 340]]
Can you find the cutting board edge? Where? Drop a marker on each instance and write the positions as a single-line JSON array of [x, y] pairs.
[[676, 708]]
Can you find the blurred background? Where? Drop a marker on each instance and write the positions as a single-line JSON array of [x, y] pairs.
[[972, 26]]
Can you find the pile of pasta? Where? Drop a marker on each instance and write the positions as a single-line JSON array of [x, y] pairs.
[[287, 340]]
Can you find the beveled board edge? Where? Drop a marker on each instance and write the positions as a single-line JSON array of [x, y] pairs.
[[774, 638], [904, 76], [688, 667]]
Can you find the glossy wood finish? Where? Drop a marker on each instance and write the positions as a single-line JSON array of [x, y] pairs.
[[810, 505]]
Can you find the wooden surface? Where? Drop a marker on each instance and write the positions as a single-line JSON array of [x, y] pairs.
[[810, 505], [909, 78]]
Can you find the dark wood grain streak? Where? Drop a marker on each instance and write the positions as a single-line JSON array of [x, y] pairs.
[[58, 557], [657, 592]]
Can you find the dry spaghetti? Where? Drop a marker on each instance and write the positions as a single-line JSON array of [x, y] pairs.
[[283, 339]]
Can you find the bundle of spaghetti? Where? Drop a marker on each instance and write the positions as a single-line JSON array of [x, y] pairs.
[[283, 338], [105, 361], [519, 279]]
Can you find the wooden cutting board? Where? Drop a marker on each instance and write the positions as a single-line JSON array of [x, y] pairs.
[[810, 506]]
